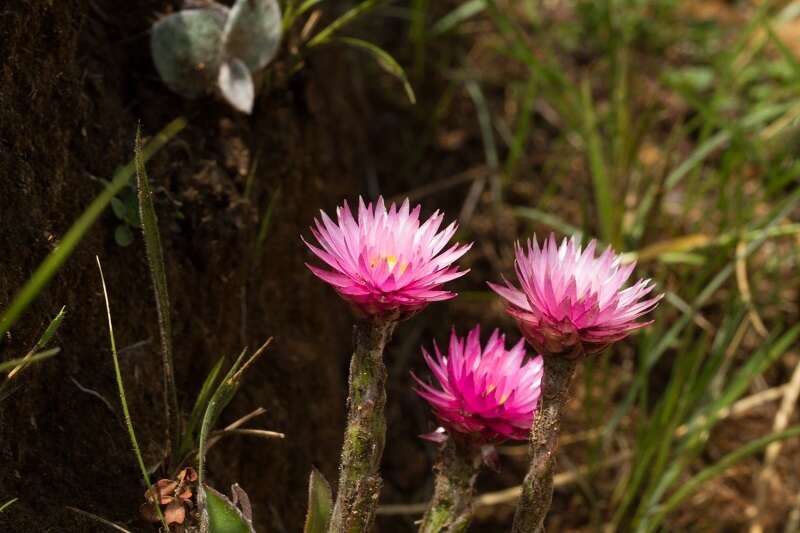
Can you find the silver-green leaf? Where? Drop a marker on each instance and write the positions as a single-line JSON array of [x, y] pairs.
[[236, 85], [186, 49], [253, 32]]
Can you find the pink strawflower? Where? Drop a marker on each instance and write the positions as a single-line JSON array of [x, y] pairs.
[[572, 302], [489, 395], [386, 263]]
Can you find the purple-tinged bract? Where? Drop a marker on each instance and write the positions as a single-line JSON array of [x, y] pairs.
[[487, 394], [571, 302], [386, 263]]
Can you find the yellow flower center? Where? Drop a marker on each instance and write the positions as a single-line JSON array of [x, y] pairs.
[[491, 389], [391, 262]]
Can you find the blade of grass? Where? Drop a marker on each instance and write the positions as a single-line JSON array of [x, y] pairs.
[[325, 35], [200, 404], [384, 59], [155, 259], [604, 198], [8, 504], [688, 488], [122, 398], [35, 358], [40, 345], [48, 268], [457, 16]]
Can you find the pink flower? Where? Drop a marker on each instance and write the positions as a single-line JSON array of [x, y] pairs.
[[489, 395], [386, 263], [572, 302]]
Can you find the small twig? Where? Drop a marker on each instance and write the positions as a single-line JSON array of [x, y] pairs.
[[472, 174], [95, 394], [744, 289], [100, 519], [216, 436], [258, 411], [135, 346], [509, 495], [743, 405], [251, 432], [767, 475]]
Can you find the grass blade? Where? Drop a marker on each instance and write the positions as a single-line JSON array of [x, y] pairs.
[[325, 35], [688, 488], [155, 259], [122, 398], [15, 364], [385, 60], [8, 504]]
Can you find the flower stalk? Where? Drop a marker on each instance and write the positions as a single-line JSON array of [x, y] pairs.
[[365, 435], [451, 508], [537, 487]]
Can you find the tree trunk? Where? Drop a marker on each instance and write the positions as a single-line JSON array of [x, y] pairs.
[[75, 80]]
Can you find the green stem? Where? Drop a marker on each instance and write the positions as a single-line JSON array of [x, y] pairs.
[[537, 488], [365, 435], [451, 508]]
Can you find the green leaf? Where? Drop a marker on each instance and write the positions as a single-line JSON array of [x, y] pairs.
[[385, 60], [51, 330], [123, 235], [710, 472], [457, 16], [9, 365], [325, 35], [118, 206], [320, 503], [220, 515], [155, 259], [221, 398], [200, 405]]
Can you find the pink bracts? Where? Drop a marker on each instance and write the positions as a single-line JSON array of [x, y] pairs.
[[386, 262], [489, 394], [572, 302]]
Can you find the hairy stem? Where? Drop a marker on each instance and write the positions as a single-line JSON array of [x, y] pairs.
[[537, 488], [450, 510], [365, 435]]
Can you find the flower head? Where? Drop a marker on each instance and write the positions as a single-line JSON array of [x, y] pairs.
[[488, 394], [572, 302], [385, 262]]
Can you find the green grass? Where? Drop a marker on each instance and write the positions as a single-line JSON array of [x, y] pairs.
[[673, 138]]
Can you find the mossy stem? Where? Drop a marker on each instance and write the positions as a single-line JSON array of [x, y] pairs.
[[365, 434], [451, 507], [537, 487]]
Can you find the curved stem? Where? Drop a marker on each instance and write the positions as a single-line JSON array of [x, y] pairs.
[[537, 488], [451, 508], [365, 435]]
